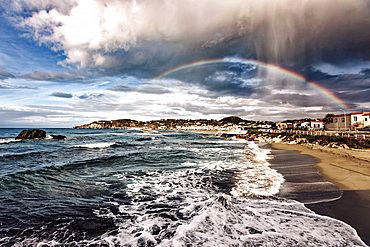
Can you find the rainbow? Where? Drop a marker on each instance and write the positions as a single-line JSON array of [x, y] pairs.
[[273, 67]]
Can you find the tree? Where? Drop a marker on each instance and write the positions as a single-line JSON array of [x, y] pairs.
[[328, 118]]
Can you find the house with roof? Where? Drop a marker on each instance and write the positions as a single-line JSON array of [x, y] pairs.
[[350, 121], [305, 125], [317, 125]]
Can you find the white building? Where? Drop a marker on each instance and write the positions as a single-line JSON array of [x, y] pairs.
[[317, 125], [305, 125], [349, 121]]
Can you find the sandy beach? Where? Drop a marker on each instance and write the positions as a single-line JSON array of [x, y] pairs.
[[347, 169]]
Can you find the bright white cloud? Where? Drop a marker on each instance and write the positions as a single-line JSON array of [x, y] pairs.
[[89, 31], [140, 38]]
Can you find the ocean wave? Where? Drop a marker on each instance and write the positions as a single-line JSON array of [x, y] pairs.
[[259, 223], [26, 155], [97, 145], [256, 177], [215, 221], [226, 221], [177, 192], [9, 140]]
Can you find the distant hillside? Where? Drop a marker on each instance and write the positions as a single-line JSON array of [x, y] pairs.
[[169, 123], [233, 119], [113, 124]]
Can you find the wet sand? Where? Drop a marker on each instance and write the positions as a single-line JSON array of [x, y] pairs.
[[346, 197]]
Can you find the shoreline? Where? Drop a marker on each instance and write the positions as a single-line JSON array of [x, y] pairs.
[[347, 169]]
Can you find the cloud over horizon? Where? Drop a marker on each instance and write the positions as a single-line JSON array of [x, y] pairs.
[[76, 53], [91, 32]]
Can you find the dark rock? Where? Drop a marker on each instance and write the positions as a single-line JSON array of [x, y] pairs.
[[31, 134], [155, 229], [58, 137]]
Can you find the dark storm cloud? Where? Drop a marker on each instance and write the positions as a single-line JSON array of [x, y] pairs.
[[155, 36], [366, 73], [302, 34], [62, 95], [150, 59], [313, 74], [220, 80], [358, 96], [348, 86], [276, 31], [353, 89]]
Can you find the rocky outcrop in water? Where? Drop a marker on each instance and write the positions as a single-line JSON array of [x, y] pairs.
[[31, 134]]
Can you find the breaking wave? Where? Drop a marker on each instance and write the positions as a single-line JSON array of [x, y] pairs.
[[96, 145], [129, 189]]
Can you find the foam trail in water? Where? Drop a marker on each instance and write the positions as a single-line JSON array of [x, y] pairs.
[[96, 145], [176, 190], [5, 141], [234, 222], [258, 222]]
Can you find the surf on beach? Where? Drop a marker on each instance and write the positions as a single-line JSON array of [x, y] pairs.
[[141, 123], [348, 170], [161, 188]]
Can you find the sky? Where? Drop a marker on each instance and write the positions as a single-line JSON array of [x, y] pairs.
[[71, 62]]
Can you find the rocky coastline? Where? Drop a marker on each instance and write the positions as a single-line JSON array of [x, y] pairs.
[[234, 127], [290, 138]]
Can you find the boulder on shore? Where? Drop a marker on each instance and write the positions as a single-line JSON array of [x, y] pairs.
[[31, 134], [58, 137]]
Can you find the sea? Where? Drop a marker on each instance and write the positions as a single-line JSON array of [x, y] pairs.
[[129, 187]]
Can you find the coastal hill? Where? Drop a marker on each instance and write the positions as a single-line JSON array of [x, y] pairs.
[[112, 124], [168, 123], [233, 119]]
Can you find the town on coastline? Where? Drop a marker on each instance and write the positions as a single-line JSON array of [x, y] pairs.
[[357, 121], [337, 131]]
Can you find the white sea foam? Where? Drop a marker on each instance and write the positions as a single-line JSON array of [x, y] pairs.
[[231, 141], [9, 140], [96, 145], [238, 222], [205, 204], [256, 178], [253, 175], [182, 207], [262, 223]]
